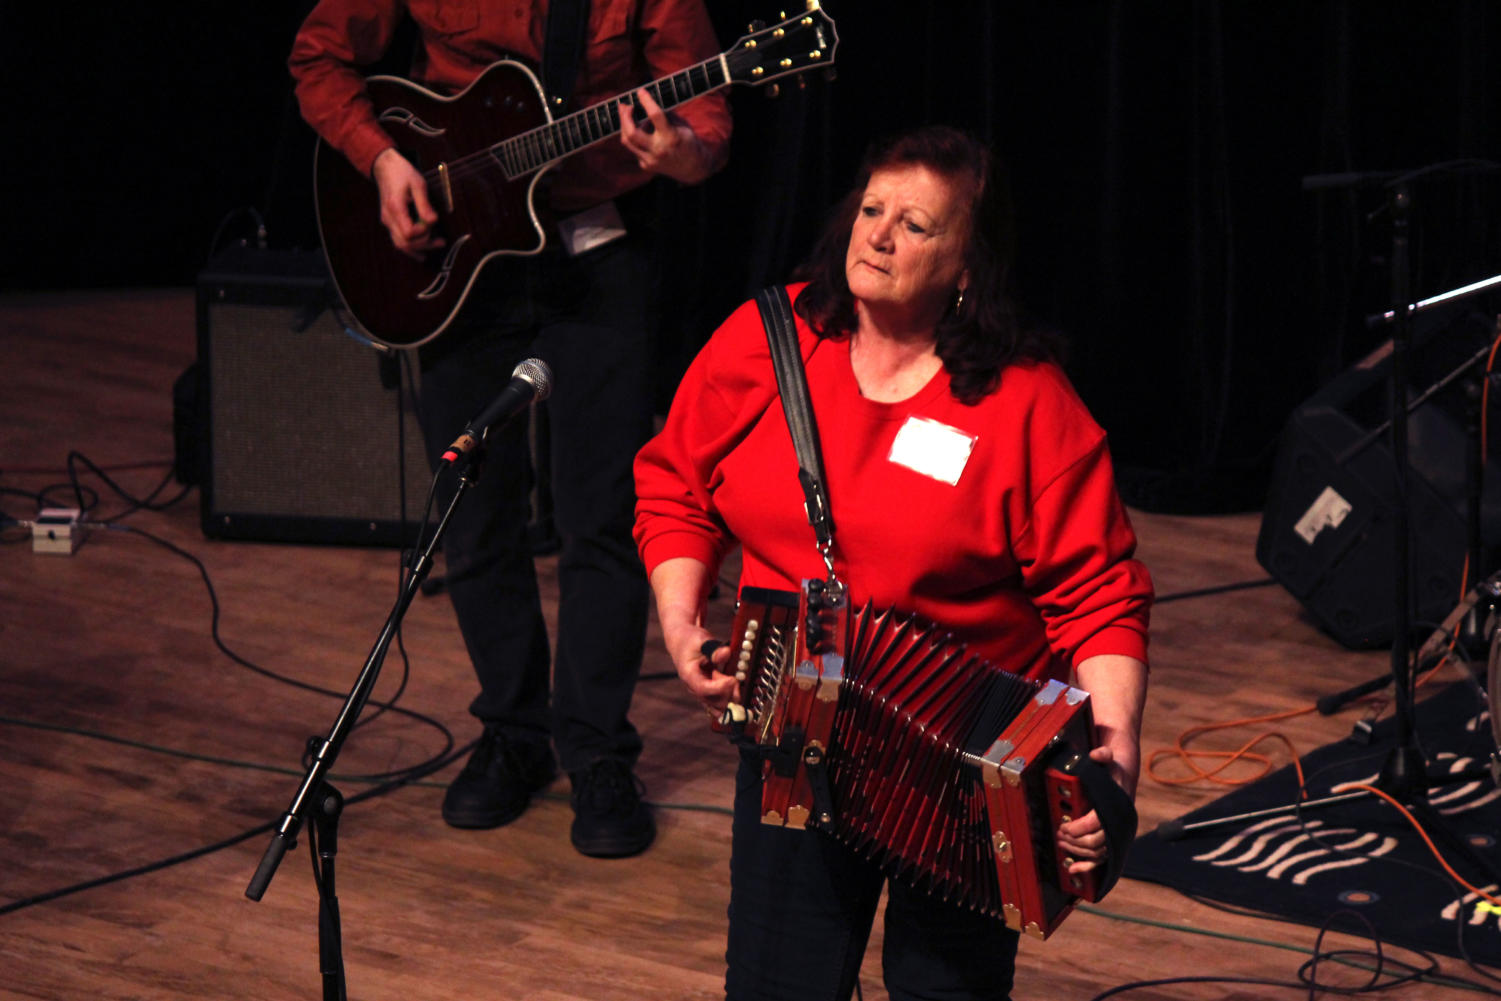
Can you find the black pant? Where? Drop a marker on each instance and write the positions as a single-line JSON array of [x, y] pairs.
[[801, 910], [589, 319]]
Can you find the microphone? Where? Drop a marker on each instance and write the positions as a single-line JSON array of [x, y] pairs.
[[530, 381]]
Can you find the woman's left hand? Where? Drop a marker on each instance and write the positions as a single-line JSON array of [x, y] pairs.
[[1117, 687], [1083, 838]]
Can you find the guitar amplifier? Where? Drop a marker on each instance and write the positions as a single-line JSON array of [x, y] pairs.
[[304, 431]]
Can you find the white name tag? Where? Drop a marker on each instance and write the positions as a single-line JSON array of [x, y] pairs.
[[933, 449], [591, 228]]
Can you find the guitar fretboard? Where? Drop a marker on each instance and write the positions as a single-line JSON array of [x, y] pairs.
[[531, 151]]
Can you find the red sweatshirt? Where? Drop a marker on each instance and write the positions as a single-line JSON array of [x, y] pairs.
[[1026, 555]]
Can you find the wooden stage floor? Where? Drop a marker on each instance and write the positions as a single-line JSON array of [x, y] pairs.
[[129, 738]]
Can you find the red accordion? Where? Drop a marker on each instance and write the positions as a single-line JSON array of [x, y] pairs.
[[950, 773]]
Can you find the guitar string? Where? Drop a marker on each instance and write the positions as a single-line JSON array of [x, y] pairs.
[[542, 151], [479, 161]]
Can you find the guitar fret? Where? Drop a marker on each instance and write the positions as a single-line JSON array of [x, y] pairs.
[[520, 155]]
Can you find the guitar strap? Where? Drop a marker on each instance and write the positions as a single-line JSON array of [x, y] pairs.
[[563, 49]]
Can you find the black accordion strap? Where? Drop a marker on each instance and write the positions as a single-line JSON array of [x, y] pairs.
[[792, 384], [1117, 815]]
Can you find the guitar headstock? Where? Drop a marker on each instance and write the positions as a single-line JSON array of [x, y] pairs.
[[793, 45]]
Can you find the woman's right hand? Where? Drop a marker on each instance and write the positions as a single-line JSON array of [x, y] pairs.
[[680, 585], [685, 645]]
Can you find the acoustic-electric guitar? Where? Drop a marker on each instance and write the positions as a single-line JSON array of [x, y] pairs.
[[482, 152]]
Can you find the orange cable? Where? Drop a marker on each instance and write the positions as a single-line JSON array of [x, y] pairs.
[[1190, 758], [1426, 840], [1485, 392]]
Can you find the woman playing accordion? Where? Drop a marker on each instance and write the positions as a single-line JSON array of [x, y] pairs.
[[969, 488]]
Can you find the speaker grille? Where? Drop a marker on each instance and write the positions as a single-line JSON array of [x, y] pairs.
[[305, 442]]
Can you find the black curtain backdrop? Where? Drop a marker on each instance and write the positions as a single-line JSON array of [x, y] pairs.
[[1157, 154]]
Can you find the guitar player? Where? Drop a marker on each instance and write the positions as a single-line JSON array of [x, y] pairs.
[[583, 305]]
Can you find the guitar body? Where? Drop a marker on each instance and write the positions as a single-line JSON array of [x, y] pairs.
[[399, 301], [482, 152]]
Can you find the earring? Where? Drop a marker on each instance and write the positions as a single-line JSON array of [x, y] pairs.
[[959, 302]]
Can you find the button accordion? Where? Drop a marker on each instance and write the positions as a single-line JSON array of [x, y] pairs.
[[948, 772]]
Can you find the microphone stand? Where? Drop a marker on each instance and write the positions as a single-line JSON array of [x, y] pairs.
[[316, 796], [1404, 774], [1328, 705]]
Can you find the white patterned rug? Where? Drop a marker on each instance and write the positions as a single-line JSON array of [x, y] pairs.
[[1360, 855]]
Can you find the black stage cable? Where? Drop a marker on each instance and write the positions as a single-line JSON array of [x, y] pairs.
[[208, 759], [1205, 592], [413, 775], [1435, 874], [149, 503], [391, 780], [1307, 973], [264, 672]]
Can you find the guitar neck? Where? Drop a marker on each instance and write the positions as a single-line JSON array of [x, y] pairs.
[[547, 144]]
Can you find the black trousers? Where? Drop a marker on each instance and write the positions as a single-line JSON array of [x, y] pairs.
[[590, 319], [801, 910]]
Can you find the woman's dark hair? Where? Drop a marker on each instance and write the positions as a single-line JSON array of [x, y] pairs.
[[980, 338]]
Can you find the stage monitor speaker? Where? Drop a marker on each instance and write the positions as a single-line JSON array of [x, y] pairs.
[[305, 431], [1326, 531]]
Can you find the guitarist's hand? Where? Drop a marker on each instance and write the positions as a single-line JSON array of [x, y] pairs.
[[661, 145], [404, 207]]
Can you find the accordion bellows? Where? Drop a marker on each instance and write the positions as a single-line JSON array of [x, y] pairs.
[[948, 772]]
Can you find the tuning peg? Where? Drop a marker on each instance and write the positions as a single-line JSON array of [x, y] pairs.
[[757, 25], [831, 74], [802, 83], [775, 90]]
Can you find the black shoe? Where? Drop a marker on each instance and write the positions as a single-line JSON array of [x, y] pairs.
[[498, 782], [609, 819]]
